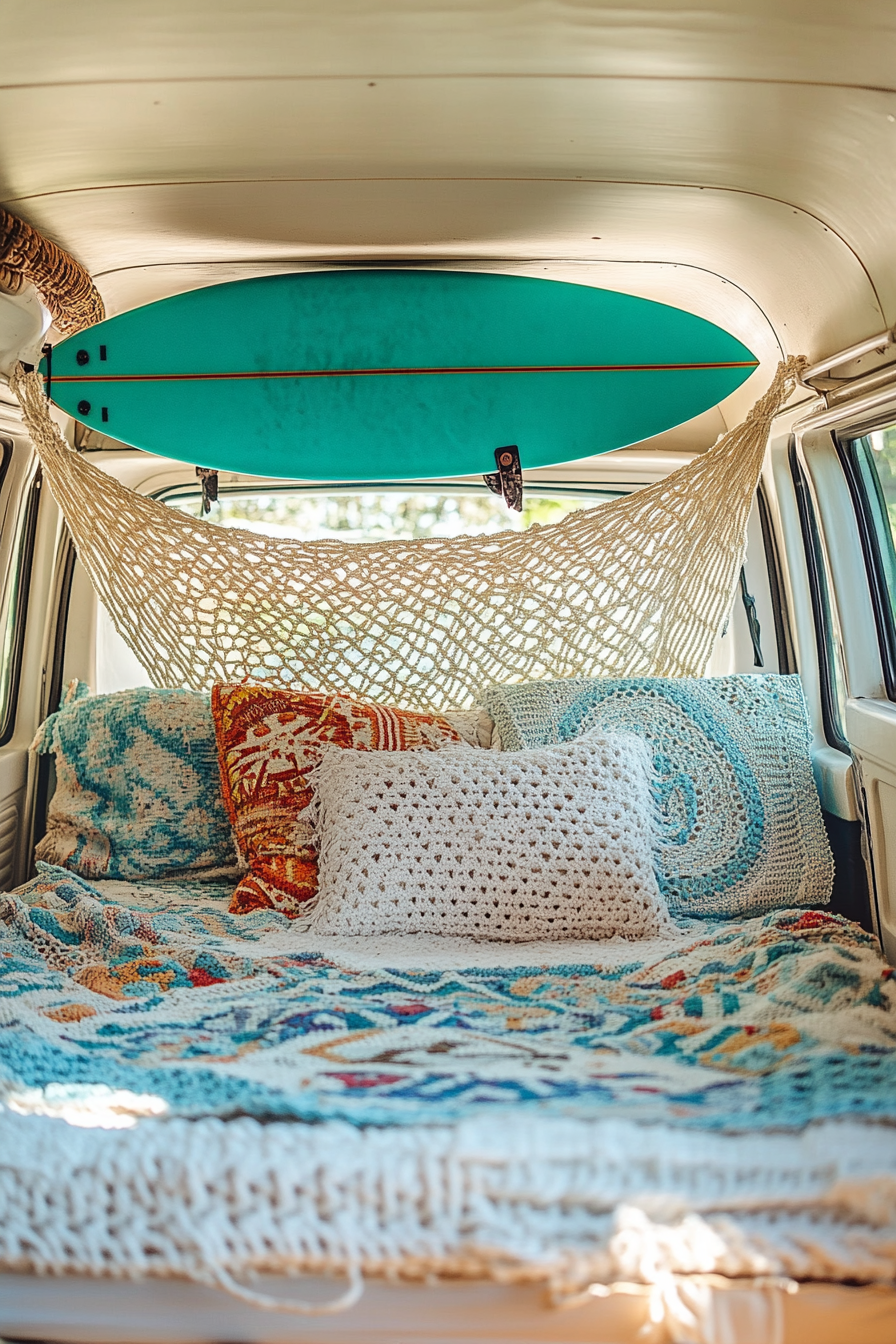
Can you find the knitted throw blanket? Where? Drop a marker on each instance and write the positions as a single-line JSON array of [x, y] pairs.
[[515, 1198]]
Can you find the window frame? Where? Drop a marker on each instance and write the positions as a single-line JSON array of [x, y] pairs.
[[398, 487], [822, 608], [787, 662], [19, 573]]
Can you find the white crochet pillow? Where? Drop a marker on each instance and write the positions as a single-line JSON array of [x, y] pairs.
[[552, 843]]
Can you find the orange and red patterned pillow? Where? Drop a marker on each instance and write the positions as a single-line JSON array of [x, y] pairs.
[[268, 740]]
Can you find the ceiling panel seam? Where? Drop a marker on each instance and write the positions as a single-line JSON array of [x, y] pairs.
[[592, 181], [435, 262], [448, 75]]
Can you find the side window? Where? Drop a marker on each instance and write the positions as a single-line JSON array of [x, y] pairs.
[[828, 635], [870, 465], [17, 527]]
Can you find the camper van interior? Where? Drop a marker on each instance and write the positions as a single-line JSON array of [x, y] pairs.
[[448, 672]]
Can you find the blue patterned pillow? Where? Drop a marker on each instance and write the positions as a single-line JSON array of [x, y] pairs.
[[741, 825], [138, 793]]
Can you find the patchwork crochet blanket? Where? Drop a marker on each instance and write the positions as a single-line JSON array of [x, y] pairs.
[[157, 992], [720, 1102]]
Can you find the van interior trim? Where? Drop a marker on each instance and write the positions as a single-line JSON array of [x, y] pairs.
[[844, 415], [881, 342], [821, 602]]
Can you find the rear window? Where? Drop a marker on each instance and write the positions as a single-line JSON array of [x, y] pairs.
[[349, 514], [381, 515]]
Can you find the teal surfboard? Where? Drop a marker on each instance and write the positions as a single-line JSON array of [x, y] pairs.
[[392, 374]]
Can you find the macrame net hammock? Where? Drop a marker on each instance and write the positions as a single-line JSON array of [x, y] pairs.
[[638, 586]]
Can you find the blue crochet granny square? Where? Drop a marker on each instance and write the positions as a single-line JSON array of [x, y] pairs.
[[741, 831], [138, 792]]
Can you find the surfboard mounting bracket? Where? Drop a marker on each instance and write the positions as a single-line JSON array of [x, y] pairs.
[[47, 352], [507, 481], [208, 479]]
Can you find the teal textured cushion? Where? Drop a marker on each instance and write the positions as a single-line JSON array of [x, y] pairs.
[[138, 793], [741, 830]]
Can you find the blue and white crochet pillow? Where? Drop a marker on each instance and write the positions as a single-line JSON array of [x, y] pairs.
[[138, 793], [741, 825]]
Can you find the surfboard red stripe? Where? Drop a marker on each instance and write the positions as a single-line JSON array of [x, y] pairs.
[[379, 373]]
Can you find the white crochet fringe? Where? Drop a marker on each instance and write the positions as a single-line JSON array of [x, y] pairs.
[[572, 1204]]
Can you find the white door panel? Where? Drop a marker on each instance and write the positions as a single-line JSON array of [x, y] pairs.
[[13, 780], [865, 787], [10, 817], [17, 474], [835, 781], [871, 725], [29, 542]]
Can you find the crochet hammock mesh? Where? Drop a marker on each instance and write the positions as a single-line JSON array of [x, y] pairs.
[[638, 586]]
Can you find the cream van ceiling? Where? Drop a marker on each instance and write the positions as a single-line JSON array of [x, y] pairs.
[[749, 144]]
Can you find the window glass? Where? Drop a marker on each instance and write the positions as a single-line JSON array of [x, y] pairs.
[[882, 446], [871, 470], [837, 658], [876, 459], [382, 515], [350, 515]]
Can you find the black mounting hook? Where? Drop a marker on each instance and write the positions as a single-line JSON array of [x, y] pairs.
[[209, 480], [507, 481]]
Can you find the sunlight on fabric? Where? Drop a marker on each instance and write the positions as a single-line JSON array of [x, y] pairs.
[[676, 1261], [89, 1106]]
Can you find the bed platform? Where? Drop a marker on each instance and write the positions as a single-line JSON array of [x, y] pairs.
[[79, 1311]]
